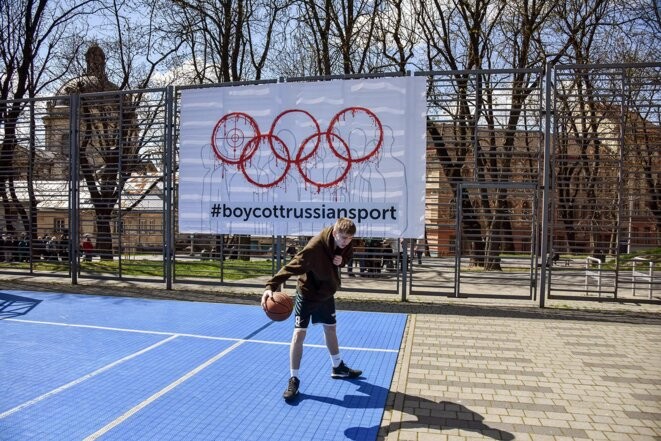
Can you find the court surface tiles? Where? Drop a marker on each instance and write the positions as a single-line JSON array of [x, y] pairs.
[[78, 367]]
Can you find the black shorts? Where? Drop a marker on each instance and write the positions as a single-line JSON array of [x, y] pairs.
[[322, 312]]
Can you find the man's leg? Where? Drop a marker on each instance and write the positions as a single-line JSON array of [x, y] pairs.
[[330, 336], [295, 356], [340, 370], [296, 350]]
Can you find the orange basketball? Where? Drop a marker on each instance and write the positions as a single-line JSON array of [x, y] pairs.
[[279, 306]]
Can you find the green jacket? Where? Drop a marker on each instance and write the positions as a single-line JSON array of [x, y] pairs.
[[318, 278]]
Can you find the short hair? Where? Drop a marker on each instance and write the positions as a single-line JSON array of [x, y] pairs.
[[345, 226]]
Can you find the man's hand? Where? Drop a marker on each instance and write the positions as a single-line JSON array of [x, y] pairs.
[[337, 260], [268, 293]]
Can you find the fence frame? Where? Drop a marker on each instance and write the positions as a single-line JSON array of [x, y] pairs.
[[541, 283]]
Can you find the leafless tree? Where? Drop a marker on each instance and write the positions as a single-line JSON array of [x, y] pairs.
[[332, 37], [592, 112], [458, 36], [118, 131], [227, 40], [463, 35], [150, 42], [396, 34], [36, 41]]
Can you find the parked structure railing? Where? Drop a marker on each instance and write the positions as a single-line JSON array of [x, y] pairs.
[[646, 275], [592, 274]]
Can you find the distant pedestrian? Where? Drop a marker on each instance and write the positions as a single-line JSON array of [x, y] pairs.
[[23, 248], [420, 247], [88, 248]]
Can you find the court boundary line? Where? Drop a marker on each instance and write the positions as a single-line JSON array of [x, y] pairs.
[[170, 336], [199, 336], [85, 377], [138, 407]]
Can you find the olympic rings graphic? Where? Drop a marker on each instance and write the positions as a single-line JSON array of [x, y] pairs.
[[229, 135], [322, 158]]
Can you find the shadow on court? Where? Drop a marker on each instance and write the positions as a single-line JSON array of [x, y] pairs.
[[443, 415], [14, 306]]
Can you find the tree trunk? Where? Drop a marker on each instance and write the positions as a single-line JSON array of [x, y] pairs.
[[104, 246]]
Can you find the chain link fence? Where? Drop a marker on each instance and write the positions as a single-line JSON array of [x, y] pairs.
[[540, 184], [606, 182]]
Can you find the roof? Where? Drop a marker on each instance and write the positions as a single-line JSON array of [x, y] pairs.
[[144, 193]]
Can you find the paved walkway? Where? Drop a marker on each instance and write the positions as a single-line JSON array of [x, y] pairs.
[[492, 370], [553, 377]]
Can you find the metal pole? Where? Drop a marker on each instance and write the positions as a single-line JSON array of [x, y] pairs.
[[168, 182], [32, 206], [650, 278], [278, 252], [458, 249], [74, 188], [405, 266], [621, 190], [630, 227], [121, 182], [546, 183]]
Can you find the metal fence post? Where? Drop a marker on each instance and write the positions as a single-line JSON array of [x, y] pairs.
[[545, 185], [458, 249], [168, 182], [74, 189], [405, 266]]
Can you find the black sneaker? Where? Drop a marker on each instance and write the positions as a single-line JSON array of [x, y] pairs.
[[343, 371], [292, 389]]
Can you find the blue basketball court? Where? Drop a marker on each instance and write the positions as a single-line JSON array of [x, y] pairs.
[[78, 367]]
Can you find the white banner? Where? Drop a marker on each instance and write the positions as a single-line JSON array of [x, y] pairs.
[[290, 158]]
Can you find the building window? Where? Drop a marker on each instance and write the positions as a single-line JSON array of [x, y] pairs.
[[148, 226], [59, 224]]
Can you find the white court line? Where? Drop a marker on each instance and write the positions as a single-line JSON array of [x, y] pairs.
[[312, 345], [201, 336], [165, 390], [105, 429], [84, 378]]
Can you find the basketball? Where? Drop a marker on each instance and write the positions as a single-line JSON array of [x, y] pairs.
[[279, 306]]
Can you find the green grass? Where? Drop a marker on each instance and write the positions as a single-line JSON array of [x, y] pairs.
[[241, 269], [626, 260], [233, 269], [652, 253]]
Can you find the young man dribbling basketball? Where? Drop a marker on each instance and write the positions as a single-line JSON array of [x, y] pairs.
[[317, 266]]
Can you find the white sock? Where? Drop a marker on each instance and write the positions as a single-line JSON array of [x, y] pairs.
[[336, 359], [294, 372]]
